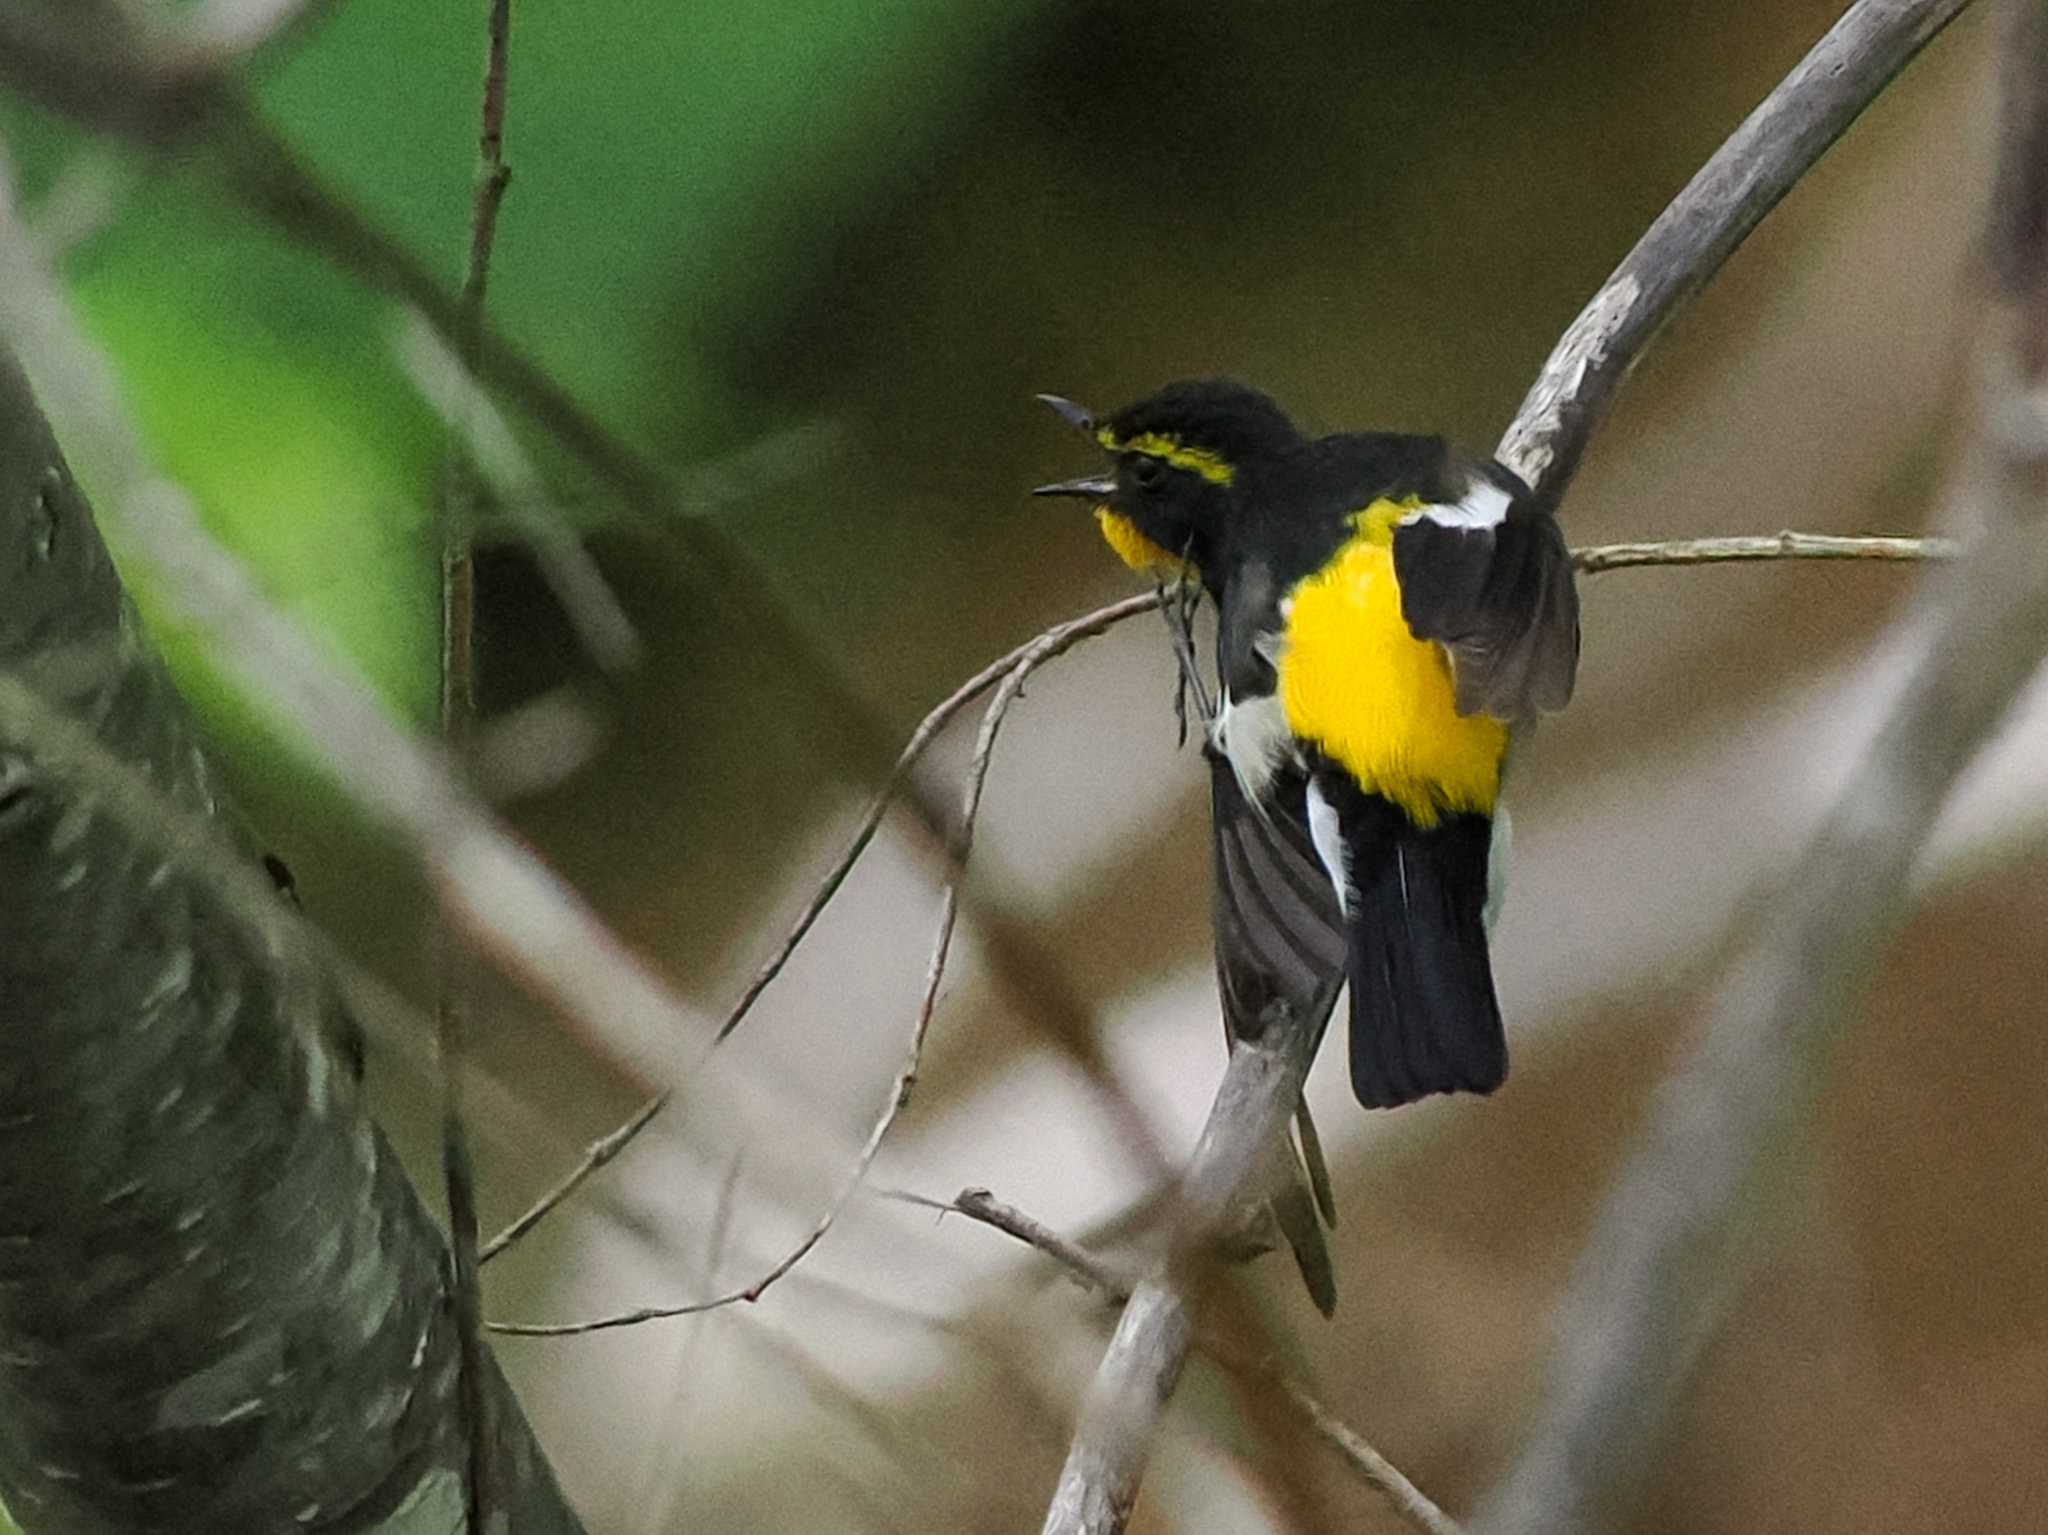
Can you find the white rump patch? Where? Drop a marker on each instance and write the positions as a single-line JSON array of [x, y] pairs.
[[1254, 737], [1328, 837], [1484, 505]]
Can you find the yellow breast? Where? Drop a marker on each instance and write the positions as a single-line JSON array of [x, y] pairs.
[[1357, 683]]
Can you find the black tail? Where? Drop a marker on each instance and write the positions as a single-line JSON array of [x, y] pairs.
[[1424, 1018]]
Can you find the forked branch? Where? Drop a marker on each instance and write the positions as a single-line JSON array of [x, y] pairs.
[[1707, 1182], [1688, 242]]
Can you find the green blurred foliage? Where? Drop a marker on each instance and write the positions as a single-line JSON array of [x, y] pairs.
[[669, 160], [898, 217], [678, 173]]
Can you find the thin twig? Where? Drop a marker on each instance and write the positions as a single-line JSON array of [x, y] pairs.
[[981, 1205], [458, 728], [599, 1153], [1378, 1473], [1046, 647], [1749, 548], [1031, 654], [1180, 602], [492, 173]]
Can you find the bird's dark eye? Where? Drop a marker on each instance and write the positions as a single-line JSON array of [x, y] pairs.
[[1148, 472]]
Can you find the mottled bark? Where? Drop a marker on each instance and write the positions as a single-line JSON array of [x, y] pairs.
[[221, 1305]]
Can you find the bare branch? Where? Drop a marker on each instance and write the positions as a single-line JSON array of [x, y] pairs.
[[1030, 655], [1377, 1472], [1261, 1086], [1688, 242], [1775, 145], [1751, 548], [596, 1156], [982, 1205], [492, 173], [1707, 1182]]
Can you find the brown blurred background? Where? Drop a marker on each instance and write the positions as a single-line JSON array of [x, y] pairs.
[[1385, 215]]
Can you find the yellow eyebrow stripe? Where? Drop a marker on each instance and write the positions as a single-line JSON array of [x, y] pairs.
[[1170, 449]]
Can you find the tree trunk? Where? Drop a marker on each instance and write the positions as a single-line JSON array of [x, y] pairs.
[[222, 1308]]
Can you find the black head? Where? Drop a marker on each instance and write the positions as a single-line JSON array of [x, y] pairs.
[[1182, 457]]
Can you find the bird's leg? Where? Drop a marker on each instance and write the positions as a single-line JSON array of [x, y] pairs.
[[1179, 604]]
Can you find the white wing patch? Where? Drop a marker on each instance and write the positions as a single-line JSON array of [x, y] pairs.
[[1484, 505], [1328, 836], [1254, 737], [1497, 865]]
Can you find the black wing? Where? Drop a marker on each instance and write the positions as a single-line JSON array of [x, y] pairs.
[[1497, 595], [1280, 938], [1279, 934], [1280, 950]]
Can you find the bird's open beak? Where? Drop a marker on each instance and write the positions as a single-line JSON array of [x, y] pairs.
[[1097, 487], [1094, 487], [1079, 417]]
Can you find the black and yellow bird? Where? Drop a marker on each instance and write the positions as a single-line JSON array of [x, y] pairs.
[[1388, 611]]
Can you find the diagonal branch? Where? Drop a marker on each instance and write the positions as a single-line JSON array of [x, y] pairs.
[[1707, 1180], [1373, 1468], [1730, 195]]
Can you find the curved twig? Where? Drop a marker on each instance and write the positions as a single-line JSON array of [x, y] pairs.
[[1023, 662], [1030, 655]]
